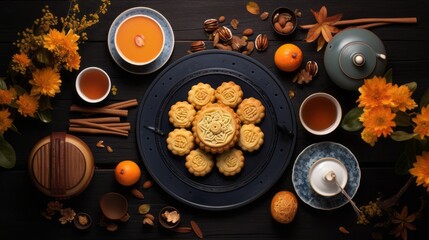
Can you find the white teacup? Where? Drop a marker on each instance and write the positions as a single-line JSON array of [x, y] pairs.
[[93, 84], [320, 113], [320, 170]]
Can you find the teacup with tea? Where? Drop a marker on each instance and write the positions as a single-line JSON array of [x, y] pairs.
[[93, 84], [320, 113]]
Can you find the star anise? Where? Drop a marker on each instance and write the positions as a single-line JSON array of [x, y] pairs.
[[404, 223]]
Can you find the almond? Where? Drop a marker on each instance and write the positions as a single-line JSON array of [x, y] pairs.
[[247, 32], [197, 229], [137, 193], [147, 184]]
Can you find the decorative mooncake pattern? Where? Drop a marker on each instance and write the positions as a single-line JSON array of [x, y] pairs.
[[182, 114], [251, 110], [201, 94], [229, 94], [230, 162], [251, 137], [180, 141], [199, 162]]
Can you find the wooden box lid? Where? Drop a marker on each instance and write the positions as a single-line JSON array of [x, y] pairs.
[[61, 165]]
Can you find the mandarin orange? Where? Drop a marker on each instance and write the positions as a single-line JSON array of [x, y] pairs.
[[127, 172], [288, 57]]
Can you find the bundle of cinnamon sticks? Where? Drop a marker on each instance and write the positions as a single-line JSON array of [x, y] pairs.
[[110, 124]]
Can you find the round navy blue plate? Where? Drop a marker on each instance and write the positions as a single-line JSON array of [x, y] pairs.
[[262, 168], [302, 166]]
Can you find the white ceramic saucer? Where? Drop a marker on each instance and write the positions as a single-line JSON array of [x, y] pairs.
[[305, 161]]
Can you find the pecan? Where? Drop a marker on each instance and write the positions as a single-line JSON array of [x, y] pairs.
[[261, 42], [210, 25], [234, 23], [312, 68], [197, 46], [264, 16], [224, 33]]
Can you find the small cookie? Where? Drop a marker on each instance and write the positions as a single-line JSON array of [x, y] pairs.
[[199, 162], [182, 114], [230, 162], [251, 137], [251, 110], [201, 94], [229, 93], [180, 141]]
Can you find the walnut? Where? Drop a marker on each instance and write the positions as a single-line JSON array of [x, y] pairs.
[[302, 77], [171, 217]]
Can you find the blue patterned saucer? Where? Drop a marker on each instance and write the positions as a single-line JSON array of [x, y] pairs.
[[168, 44], [303, 164]]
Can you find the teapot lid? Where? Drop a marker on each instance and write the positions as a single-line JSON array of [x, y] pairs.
[[353, 55]]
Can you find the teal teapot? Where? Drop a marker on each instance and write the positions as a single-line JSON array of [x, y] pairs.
[[353, 55]]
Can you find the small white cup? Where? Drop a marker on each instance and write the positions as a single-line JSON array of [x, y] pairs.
[[320, 113], [93, 84], [317, 176]]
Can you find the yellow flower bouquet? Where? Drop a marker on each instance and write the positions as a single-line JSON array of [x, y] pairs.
[[383, 108], [50, 46]]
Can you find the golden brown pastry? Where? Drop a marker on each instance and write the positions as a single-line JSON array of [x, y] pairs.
[[199, 162], [182, 114], [251, 137], [284, 206], [201, 94], [180, 141], [251, 110], [231, 162], [216, 128], [229, 94]]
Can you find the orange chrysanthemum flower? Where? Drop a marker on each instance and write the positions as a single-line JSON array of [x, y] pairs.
[[20, 62], [5, 121], [27, 105], [401, 99], [375, 92], [73, 62], [421, 170], [6, 96], [369, 137], [379, 120], [45, 81], [422, 123], [61, 44]]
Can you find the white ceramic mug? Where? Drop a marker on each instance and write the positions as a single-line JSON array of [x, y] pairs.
[[93, 84], [320, 113]]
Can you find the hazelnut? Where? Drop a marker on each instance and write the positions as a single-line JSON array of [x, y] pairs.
[[261, 42]]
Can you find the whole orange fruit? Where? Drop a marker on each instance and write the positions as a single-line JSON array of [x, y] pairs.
[[288, 57], [127, 172]]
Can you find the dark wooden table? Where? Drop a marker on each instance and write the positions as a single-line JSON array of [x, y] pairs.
[[21, 203]]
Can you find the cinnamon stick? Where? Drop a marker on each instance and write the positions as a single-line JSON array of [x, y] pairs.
[[122, 126], [368, 20], [123, 104], [99, 126], [100, 110], [96, 131], [97, 120]]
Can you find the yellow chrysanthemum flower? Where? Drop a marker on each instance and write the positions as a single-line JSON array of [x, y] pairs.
[[61, 44], [369, 137], [375, 92], [73, 62], [6, 96], [401, 99], [379, 120], [27, 105], [45, 81], [421, 170], [20, 62], [422, 123], [5, 121]]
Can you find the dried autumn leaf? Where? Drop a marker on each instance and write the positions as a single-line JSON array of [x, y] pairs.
[[320, 43], [253, 7], [324, 26]]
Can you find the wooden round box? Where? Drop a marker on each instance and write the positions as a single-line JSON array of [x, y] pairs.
[[61, 165]]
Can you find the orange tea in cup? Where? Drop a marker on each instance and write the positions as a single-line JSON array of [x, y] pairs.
[[93, 84], [320, 113], [139, 39]]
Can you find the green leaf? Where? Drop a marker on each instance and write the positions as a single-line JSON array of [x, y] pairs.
[[351, 121], [45, 116], [412, 86], [402, 136], [19, 90], [402, 119], [424, 101], [7, 154], [405, 160], [3, 84], [389, 75]]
